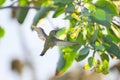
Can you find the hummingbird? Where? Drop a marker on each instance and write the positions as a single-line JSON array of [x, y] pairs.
[[50, 40]]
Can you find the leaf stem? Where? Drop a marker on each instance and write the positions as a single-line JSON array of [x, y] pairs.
[[94, 52]]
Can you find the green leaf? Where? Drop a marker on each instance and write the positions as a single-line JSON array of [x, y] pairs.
[[104, 57], [82, 54], [63, 1], [107, 6], [91, 7], [65, 60], [80, 39], [86, 12], [80, 57], [60, 64], [114, 50], [2, 32], [105, 10], [112, 35], [59, 11], [100, 14], [99, 47], [67, 49], [84, 51], [91, 61], [68, 17], [106, 22], [94, 37], [21, 15], [44, 2], [70, 8], [41, 14], [61, 34], [105, 67], [23, 2], [107, 39], [86, 1], [2, 2]]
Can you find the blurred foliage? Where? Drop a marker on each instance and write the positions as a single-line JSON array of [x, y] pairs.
[[17, 66], [2, 2], [2, 32], [90, 25]]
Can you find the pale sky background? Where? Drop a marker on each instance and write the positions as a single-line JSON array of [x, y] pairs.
[[11, 47]]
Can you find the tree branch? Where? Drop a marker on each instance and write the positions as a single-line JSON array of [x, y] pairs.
[[23, 7]]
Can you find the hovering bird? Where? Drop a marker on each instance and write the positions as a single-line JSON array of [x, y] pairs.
[[50, 40]]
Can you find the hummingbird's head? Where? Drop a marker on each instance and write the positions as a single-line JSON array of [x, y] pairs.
[[53, 32]]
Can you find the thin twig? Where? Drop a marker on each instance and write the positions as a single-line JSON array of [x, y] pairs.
[[24, 7], [94, 52]]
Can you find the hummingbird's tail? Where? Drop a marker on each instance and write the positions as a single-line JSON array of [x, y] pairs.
[[43, 52]]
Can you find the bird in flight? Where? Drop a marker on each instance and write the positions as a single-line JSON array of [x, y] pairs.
[[50, 40]]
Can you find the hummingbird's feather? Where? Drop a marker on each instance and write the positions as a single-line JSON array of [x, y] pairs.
[[41, 34], [64, 43]]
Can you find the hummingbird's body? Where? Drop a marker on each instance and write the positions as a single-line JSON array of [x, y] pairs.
[[50, 40], [49, 43]]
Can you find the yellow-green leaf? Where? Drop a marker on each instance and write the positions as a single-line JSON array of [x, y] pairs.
[[65, 61], [2, 32], [2, 2], [105, 67], [23, 2]]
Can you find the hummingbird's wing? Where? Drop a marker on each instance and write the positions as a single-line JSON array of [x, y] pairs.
[[64, 43], [41, 34]]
